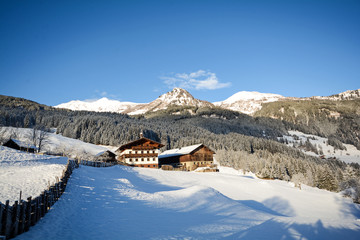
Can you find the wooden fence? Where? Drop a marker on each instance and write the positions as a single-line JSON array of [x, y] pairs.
[[19, 217], [97, 164]]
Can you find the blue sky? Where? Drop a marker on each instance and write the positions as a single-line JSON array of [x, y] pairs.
[[56, 51]]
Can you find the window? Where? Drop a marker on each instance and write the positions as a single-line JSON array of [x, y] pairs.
[[136, 159], [135, 152], [130, 160], [142, 159], [148, 159], [130, 152]]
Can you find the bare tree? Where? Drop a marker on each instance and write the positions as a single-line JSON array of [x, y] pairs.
[[3, 134], [42, 138], [39, 137]]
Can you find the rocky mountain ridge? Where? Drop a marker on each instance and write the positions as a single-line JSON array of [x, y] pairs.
[[244, 102]]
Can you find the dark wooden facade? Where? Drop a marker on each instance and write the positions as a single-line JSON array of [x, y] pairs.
[[200, 156]]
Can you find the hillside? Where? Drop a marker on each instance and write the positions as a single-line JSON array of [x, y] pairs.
[[339, 119]]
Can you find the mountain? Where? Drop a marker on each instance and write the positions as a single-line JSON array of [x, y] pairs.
[[244, 102], [248, 102], [177, 97], [101, 105]]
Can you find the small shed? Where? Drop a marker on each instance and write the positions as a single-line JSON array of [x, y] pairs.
[[189, 157], [20, 145], [105, 156]]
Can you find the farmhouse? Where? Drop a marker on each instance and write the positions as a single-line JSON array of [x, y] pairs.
[[189, 157], [140, 153], [20, 145]]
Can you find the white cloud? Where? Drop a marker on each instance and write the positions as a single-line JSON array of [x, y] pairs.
[[100, 94], [196, 80]]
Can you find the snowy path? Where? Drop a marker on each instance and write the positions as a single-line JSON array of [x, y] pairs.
[[127, 203]]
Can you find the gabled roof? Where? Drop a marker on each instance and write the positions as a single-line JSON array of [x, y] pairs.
[[23, 144], [139, 142], [181, 151]]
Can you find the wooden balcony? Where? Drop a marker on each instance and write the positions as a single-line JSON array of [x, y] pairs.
[[141, 155]]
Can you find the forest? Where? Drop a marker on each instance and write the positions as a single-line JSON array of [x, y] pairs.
[[239, 140]]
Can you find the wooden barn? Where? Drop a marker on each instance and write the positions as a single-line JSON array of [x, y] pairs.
[[190, 157], [105, 156], [140, 153], [20, 145]]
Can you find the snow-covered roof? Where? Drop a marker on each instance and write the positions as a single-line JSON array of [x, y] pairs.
[[23, 144], [179, 151]]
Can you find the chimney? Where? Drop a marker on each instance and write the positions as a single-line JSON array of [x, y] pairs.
[[141, 135]]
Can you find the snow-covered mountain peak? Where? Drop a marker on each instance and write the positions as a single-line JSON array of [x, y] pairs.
[[179, 97], [248, 102], [177, 94], [255, 96], [100, 105]]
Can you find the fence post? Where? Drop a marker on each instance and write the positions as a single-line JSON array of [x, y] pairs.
[[33, 212], [6, 224], [42, 204], [22, 217], [28, 214], [2, 211], [14, 220]]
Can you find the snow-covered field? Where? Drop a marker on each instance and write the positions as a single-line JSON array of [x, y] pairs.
[[351, 154], [32, 173], [27, 172], [137, 203], [56, 143]]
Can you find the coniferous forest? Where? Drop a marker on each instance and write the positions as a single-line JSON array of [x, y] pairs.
[[240, 141]]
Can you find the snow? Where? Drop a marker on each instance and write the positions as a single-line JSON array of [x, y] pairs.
[[248, 102], [100, 105], [26, 172], [248, 96], [137, 203], [351, 154]]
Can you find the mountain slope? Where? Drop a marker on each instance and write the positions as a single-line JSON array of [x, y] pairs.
[[338, 118], [347, 95]]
